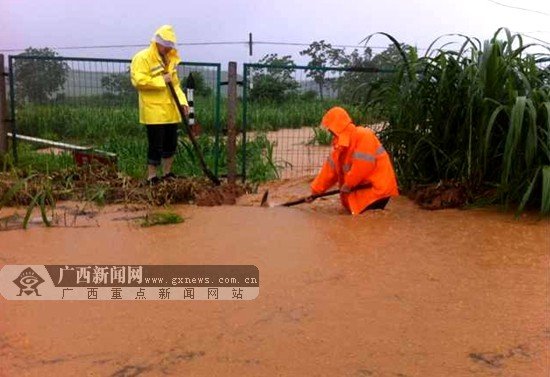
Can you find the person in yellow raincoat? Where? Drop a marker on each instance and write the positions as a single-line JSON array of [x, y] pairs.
[[151, 70], [357, 159]]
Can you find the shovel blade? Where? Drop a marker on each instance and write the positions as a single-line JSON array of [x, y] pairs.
[[263, 203]]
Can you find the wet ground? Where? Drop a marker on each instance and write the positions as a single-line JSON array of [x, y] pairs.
[[399, 292]]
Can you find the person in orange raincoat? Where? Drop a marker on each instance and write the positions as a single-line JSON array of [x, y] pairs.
[[357, 159]]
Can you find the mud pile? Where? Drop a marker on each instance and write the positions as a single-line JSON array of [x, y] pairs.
[[447, 194], [105, 185]]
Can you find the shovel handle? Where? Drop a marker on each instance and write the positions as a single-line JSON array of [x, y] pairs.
[[327, 193], [205, 169]]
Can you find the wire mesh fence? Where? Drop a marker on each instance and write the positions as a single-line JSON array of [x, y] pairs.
[[74, 92], [285, 104], [91, 102], [84, 101]]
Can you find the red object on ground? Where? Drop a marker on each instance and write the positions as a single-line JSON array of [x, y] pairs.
[[83, 158]]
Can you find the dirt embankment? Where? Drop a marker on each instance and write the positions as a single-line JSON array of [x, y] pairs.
[[104, 185]]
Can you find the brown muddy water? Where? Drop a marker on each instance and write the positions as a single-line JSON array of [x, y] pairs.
[[400, 292]]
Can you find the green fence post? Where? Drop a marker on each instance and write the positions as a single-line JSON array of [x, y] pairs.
[[245, 107], [3, 111], [217, 119], [12, 109]]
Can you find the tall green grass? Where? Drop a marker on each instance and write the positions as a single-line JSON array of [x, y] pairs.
[[321, 136], [479, 113], [298, 113], [80, 124], [29, 160], [132, 157], [83, 123]]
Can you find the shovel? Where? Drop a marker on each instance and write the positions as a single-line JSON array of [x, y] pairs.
[[204, 168], [310, 197]]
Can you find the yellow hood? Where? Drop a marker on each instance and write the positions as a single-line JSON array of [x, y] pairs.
[[166, 36]]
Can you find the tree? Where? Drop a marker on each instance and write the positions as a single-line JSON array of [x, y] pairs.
[[201, 87], [276, 82], [37, 79], [354, 85], [118, 84], [323, 54], [390, 57], [118, 88]]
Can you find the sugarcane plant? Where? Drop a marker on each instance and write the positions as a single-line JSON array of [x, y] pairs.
[[478, 114]]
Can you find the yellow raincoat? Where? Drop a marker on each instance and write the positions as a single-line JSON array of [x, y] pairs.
[[156, 105]]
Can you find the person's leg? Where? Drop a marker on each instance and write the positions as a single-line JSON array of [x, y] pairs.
[[154, 151], [169, 146], [151, 172], [379, 204], [167, 166]]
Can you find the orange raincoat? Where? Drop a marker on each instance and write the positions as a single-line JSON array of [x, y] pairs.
[[357, 158]]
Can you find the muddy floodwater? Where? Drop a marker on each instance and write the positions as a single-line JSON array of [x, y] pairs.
[[400, 292]]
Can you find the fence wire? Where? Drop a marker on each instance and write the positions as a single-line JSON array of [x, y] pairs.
[[84, 87], [285, 105], [91, 102]]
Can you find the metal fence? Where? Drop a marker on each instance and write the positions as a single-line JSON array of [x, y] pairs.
[[285, 104], [88, 101]]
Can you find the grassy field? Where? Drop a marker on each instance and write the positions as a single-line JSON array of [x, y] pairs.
[[88, 121], [91, 121]]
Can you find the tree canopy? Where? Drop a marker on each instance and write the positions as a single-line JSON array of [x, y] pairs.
[[38, 79]]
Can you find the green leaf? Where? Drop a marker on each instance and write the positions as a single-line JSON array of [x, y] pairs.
[[531, 139], [29, 211], [527, 193], [513, 136], [8, 196], [43, 210], [545, 200]]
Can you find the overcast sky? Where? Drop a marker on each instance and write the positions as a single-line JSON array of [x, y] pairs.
[[63, 23]]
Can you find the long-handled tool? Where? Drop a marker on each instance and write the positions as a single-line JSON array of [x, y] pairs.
[[204, 168], [308, 198], [82, 154]]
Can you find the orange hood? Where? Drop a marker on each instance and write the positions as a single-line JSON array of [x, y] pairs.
[[338, 121]]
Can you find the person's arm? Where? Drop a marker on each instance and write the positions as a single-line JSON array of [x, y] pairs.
[[142, 79], [326, 178], [181, 96], [363, 163]]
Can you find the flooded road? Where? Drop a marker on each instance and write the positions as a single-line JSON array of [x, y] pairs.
[[400, 292]]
